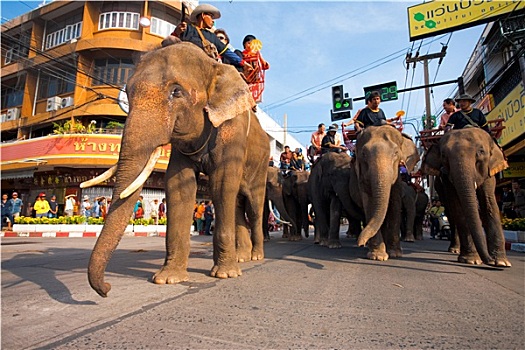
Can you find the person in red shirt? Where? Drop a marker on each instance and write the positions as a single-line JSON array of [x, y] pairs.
[[449, 106]]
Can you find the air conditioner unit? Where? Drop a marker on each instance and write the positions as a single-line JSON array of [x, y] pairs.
[[12, 114], [53, 103], [66, 102], [3, 117]]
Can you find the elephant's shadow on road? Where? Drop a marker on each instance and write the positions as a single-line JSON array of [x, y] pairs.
[[44, 267]]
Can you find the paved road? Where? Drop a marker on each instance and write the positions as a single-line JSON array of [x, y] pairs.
[[301, 296]]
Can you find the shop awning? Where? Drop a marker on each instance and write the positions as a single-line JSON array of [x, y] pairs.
[[21, 174]]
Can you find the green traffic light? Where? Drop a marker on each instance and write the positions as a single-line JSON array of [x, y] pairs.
[[338, 105], [346, 104]]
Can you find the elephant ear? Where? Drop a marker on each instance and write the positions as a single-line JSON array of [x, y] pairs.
[[410, 153], [432, 161], [497, 160], [228, 95]]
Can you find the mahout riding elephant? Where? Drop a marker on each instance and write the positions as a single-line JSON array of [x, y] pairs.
[[329, 191], [179, 96], [379, 152], [414, 205], [296, 201], [274, 193], [466, 161]]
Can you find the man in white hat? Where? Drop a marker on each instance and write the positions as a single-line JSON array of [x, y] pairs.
[[202, 19], [86, 207], [69, 205], [467, 116]]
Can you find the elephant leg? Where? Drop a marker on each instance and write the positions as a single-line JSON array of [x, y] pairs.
[[254, 202], [335, 221], [490, 216], [243, 243], [265, 221], [181, 188], [391, 226], [322, 216], [377, 248], [224, 189]]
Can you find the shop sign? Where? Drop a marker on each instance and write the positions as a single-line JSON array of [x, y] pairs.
[[515, 169], [512, 109], [437, 17]]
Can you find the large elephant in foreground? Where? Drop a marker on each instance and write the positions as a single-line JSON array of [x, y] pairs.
[[179, 96], [466, 161], [379, 152]]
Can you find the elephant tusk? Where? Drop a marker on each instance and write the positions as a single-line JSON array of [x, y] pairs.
[[281, 220], [101, 178], [143, 176]]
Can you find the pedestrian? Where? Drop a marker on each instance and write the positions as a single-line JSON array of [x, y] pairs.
[[519, 199], [139, 201], [139, 214], [209, 215], [69, 206], [314, 151], [467, 116], [103, 207], [154, 211], [328, 143], [286, 159], [7, 211], [435, 212], [53, 207], [41, 206], [95, 210], [449, 107], [199, 218], [85, 207], [162, 208], [17, 205], [507, 202], [372, 115]]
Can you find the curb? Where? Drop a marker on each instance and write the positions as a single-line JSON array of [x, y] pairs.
[[11, 234]]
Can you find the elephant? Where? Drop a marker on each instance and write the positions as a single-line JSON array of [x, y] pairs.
[[466, 161], [329, 191], [379, 152], [414, 205], [274, 193], [179, 96], [295, 195]]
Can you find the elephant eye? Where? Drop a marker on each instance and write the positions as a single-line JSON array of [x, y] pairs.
[[176, 91]]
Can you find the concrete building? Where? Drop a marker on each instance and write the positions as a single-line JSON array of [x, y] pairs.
[[64, 67]]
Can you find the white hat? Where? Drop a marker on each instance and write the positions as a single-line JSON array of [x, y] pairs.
[[86, 197], [205, 8]]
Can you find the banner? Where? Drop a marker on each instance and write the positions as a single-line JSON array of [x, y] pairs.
[[438, 17], [512, 109]]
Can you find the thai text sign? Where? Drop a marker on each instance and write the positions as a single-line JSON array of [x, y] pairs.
[[512, 109], [515, 169], [437, 17]]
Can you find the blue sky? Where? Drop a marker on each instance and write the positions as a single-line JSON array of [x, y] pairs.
[[312, 45]]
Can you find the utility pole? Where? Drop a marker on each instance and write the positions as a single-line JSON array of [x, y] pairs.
[[426, 59], [285, 127]]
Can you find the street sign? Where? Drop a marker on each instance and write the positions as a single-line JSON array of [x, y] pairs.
[[388, 91]]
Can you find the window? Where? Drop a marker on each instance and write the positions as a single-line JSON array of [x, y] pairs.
[[161, 27], [63, 35], [55, 81], [17, 47], [124, 20], [112, 71], [12, 96]]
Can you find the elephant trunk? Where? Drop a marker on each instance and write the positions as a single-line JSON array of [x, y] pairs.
[[466, 190], [132, 163], [376, 205]]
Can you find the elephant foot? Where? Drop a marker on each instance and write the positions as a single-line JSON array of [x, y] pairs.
[[407, 239], [501, 261], [395, 253], [285, 235], [334, 244], [419, 238], [168, 275], [228, 271], [295, 238], [244, 256], [377, 255], [306, 234], [257, 255], [472, 259], [453, 249]]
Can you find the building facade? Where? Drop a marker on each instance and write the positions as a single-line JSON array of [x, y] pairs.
[[64, 69]]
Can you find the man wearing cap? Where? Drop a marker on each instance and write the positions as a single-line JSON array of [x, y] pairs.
[[468, 116], [203, 18], [17, 205], [329, 144]]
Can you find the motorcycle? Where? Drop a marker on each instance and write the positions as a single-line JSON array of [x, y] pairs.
[[444, 227]]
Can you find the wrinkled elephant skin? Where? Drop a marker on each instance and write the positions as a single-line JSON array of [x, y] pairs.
[[178, 96], [274, 193], [466, 161]]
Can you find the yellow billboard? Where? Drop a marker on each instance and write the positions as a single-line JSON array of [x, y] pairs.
[[437, 17], [515, 169], [512, 109]]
